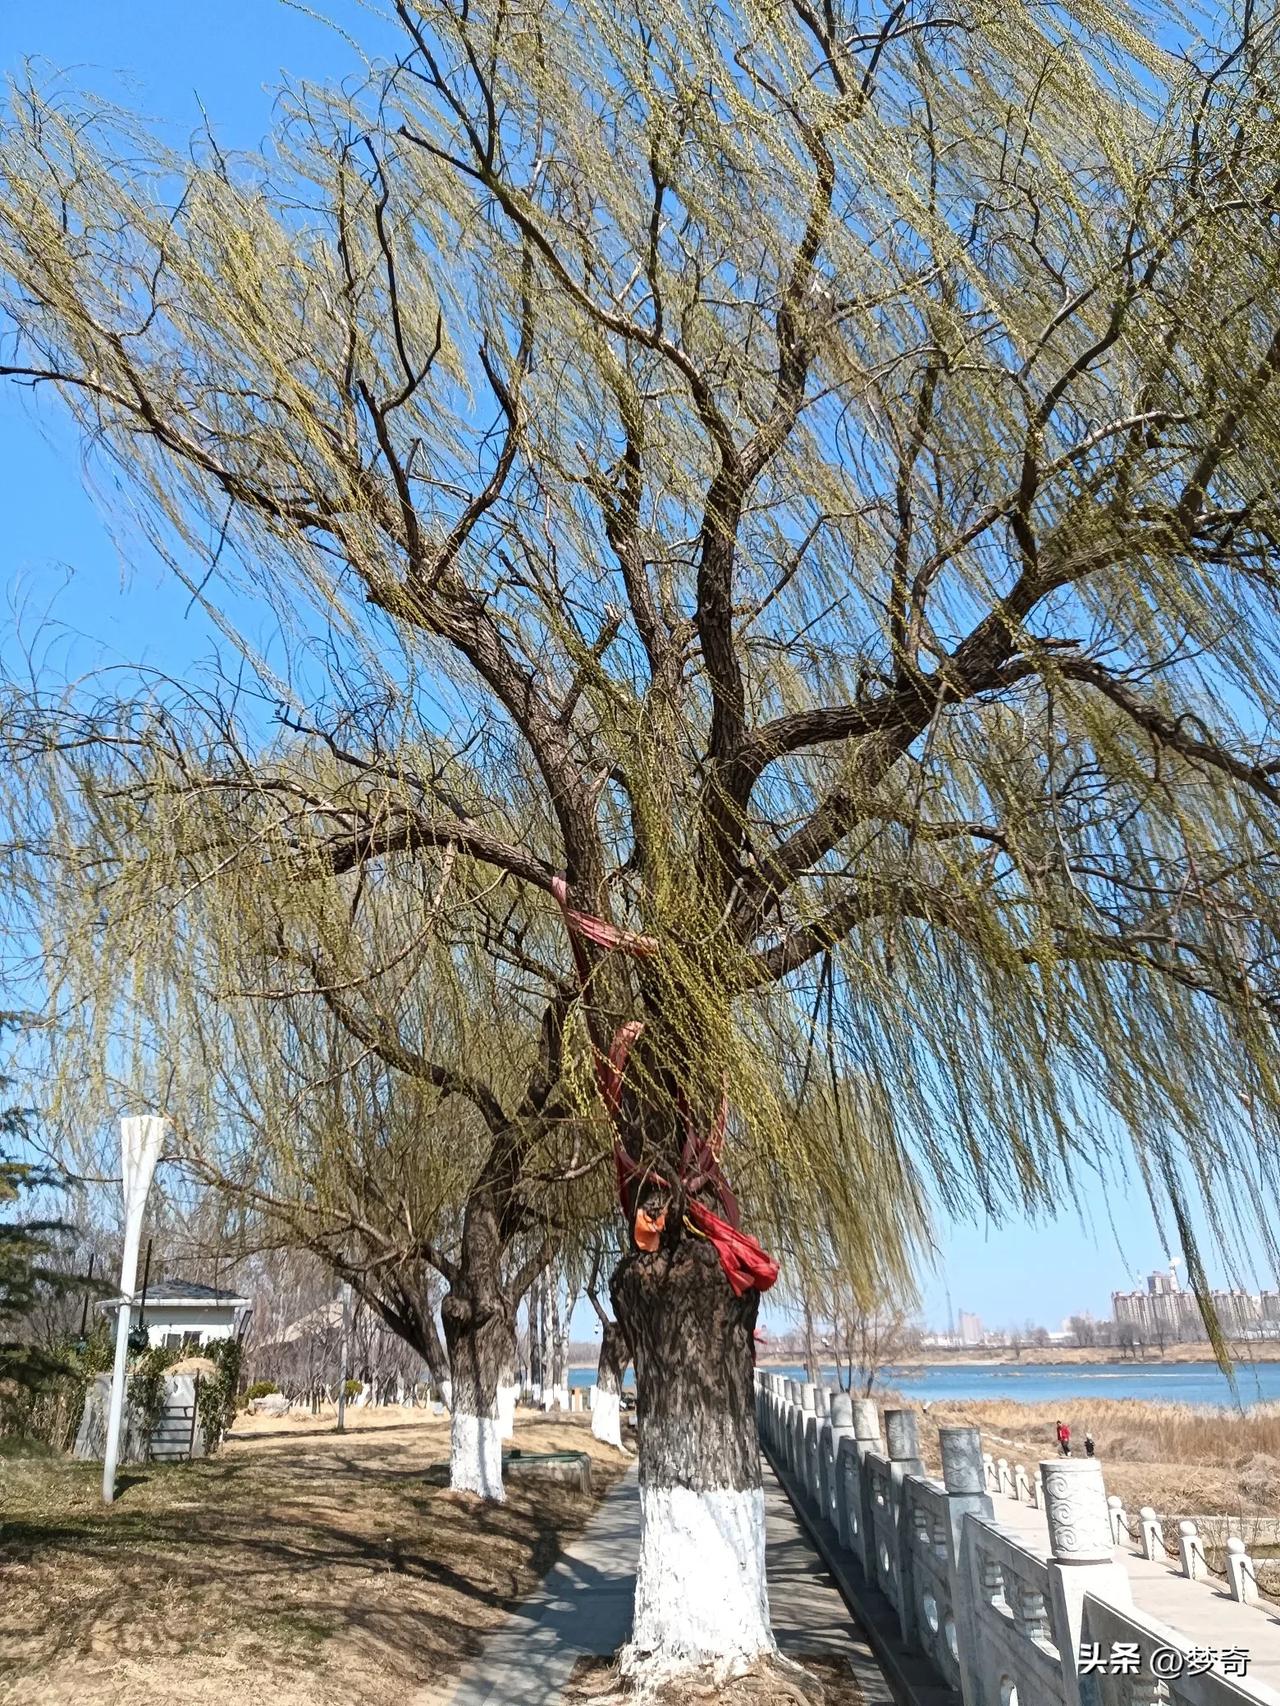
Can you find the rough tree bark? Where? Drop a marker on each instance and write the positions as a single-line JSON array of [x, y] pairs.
[[481, 1346], [550, 1325], [563, 1321], [508, 1390], [479, 1330], [701, 1596], [536, 1374], [606, 1413]]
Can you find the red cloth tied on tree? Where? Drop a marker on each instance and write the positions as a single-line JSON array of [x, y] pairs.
[[747, 1265]]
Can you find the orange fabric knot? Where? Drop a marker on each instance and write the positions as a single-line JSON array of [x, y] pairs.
[[649, 1228]]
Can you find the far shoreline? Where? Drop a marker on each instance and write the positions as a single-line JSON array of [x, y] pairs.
[[1046, 1357], [1178, 1356]]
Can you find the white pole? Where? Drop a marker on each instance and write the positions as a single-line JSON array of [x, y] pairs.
[[140, 1140], [342, 1356]]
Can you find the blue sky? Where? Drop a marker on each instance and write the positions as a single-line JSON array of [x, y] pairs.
[[82, 602]]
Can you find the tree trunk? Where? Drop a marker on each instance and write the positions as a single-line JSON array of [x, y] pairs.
[[701, 1597], [563, 1320], [481, 1345], [508, 1389], [606, 1412], [550, 1323], [536, 1372], [812, 1371]]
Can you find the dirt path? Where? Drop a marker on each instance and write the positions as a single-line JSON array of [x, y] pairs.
[[296, 1568]]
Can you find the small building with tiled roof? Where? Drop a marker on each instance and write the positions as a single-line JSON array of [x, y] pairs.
[[182, 1312]]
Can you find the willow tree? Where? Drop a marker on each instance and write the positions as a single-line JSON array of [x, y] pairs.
[[835, 445], [364, 1064]]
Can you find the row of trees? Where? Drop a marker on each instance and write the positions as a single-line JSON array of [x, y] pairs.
[[772, 512]]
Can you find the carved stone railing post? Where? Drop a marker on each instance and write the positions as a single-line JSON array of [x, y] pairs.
[[1081, 1557], [964, 1477], [1118, 1520], [989, 1472], [1242, 1578], [1152, 1533], [793, 1410], [1191, 1551], [806, 1437], [1004, 1481], [903, 1439], [838, 1426], [1021, 1485], [866, 1434]]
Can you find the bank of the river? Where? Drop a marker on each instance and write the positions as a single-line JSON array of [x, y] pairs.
[[1181, 1460], [1196, 1383], [1199, 1383], [1062, 1356]]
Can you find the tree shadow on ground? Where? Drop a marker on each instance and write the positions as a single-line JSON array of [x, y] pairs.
[[320, 1550]]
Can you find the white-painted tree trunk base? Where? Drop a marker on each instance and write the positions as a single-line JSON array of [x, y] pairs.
[[606, 1418], [507, 1411], [701, 1595], [562, 1397], [446, 1393], [475, 1456]]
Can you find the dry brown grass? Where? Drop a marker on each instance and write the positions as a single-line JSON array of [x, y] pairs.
[[1178, 1458], [299, 1567]]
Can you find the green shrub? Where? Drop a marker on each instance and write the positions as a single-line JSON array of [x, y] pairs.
[[216, 1401], [259, 1389], [146, 1385], [353, 1389]]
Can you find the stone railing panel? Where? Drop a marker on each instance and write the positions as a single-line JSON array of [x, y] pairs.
[[926, 1515], [882, 1540], [849, 1502], [1106, 1627], [1010, 1589], [996, 1621]]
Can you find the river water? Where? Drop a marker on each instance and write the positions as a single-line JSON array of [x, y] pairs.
[[1049, 1383]]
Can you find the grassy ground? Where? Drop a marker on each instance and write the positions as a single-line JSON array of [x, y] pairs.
[[298, 1567]]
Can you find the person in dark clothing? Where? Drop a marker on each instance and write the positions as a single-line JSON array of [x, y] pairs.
[[1088, 1445]]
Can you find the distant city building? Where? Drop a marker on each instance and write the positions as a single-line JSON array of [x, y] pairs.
[[970, 1328], [1162, 1312], [1238, 1311]]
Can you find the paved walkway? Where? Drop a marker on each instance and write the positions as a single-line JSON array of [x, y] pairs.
[[809, 1617], [583, 1608], [1202, 1612]]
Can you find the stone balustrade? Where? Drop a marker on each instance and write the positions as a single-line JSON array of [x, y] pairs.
[[993, 1620]]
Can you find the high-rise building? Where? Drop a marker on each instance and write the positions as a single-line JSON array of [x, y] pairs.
[[1163, 1312], [1237, 1311], [970, 1328]]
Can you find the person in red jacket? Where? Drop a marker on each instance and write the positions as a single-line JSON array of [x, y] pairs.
[[1064, 1439]]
